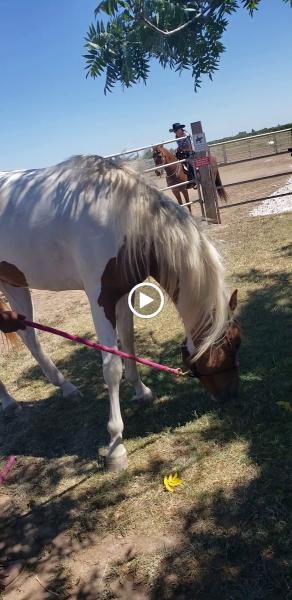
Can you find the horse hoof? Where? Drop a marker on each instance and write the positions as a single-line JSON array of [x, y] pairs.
[[143, 398], [69, 390], [116, 464], [74, 394]]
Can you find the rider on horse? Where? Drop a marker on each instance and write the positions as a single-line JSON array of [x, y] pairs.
[[185, 148]]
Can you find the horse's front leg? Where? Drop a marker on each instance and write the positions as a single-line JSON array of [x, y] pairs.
[[187, 199], [105, 326], [177, 196], [126, 336]]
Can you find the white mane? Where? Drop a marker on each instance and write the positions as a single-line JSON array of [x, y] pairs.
[[150, 223]]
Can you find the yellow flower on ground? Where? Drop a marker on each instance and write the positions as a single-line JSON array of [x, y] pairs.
[[171, 481]]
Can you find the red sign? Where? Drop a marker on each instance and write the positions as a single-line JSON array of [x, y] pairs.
[[204, 161]]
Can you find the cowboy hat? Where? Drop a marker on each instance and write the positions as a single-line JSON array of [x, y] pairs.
[[176, 126]]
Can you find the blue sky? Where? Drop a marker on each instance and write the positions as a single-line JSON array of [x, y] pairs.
[[49, 110]]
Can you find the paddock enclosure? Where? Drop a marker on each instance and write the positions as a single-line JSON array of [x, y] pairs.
[[259, 163], [69, 529]]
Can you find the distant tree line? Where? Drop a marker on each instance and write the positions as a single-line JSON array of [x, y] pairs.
[[241, 134]]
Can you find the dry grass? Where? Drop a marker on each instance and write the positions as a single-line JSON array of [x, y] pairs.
[[226, 532]]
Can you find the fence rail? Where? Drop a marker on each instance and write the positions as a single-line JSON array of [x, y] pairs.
[[232, 205], [136, 150], [250, 137], [244, 181], [251, 147], [160, 167]]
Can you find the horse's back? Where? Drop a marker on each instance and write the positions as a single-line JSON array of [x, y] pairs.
[[53, 221]]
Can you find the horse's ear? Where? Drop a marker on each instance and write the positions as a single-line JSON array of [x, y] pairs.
[[233, 301]]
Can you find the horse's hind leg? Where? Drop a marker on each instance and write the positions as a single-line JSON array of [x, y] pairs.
[[8, 403], [20, 300], [126, 335]]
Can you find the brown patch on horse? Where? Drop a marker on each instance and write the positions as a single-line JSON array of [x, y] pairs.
[[218, 367], [12, 339], [12, 275], [112, 289], [118, 279]]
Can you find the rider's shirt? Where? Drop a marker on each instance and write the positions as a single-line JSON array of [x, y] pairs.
[[184, 145]]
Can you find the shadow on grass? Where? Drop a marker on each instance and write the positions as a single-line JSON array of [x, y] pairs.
[[57, 427], [243, 549]]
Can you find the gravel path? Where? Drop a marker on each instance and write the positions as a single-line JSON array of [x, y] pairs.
[[270, 207]]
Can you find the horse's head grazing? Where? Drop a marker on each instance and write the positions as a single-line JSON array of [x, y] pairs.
[[218, 367], [158, 157]]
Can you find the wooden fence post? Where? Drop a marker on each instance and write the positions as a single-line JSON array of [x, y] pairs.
[[207, 182]]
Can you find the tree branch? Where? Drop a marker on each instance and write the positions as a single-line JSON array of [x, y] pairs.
[[206, 15], [167, 33]]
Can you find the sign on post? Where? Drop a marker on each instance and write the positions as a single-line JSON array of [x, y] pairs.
[[200, 143], [202, 162]]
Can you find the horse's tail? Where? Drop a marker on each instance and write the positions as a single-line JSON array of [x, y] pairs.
[[220, 189], [11, 339]]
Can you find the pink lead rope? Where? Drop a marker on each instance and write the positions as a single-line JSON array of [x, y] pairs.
[[85, 342], [6, 470]]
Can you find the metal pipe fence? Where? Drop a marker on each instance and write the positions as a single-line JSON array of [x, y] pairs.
[[250, 137], [171, 187], [243, 160], [251, 147], [136, 150], [160, 167], [227, 153], [244, 181], [224, 206]]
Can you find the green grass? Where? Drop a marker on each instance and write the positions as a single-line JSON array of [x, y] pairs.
[[226, 532]]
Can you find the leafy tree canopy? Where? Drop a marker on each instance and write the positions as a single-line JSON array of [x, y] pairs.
[[181, 35]]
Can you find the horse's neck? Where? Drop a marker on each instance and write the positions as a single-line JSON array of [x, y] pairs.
[[169, 156], [174, 170], [171, 170]]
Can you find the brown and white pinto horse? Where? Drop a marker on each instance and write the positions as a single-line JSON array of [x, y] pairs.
[[88, 224], [176, 173]]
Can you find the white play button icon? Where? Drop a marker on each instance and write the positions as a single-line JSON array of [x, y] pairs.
[[154, 294], [144, 300]]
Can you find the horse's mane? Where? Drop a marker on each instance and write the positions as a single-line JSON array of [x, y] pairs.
[[147, 222]]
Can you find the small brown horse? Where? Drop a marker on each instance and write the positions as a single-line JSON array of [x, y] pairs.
[[177, 174]]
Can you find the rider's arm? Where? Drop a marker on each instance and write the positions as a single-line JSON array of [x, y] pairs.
[[188, 145]]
